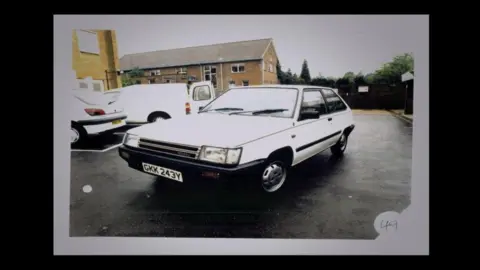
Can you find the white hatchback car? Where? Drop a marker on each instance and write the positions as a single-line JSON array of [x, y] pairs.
[[256, 132]]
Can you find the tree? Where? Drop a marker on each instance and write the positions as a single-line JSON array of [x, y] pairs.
[[331, 82], [280, 73], [320, 81], [369, 78], [126, 81], [342, 83], [391, 73], [288, 77], [135, 72], [305, 73], [295, 78], [350, 76], [359, 80]]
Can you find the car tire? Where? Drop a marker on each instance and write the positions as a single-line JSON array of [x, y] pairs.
[[78, 135], [273, 176], [339, 148]]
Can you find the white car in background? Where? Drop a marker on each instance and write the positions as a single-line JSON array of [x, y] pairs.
[[255, 133], [148, 103], [93, 113]]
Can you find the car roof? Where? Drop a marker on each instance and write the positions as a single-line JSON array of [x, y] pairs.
[[286, 86]]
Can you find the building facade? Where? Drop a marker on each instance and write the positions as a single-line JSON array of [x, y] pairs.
[[236, 63], [95, 59]]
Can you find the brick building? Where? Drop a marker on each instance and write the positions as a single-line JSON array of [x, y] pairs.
[[95, 59], [250, 62]]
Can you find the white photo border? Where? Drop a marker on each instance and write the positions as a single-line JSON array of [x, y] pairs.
[[411, 238]]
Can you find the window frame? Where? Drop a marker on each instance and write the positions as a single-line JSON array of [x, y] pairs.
[[336, 96], [155, 72], [170, 79], [86, 47], [301, 104], [182, 70], [89, 83], [238, 65]]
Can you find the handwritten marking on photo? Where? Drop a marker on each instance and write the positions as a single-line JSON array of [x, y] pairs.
[[387, 222]]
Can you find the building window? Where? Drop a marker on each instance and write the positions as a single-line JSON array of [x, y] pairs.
[[97, 86], [238, 68], [87, 41], [169, 80], [210, 74], [83, 85], [182, 70], [270, 68], [245, 83], [89, 84], [271, 58], [151, 81], [155, 72]]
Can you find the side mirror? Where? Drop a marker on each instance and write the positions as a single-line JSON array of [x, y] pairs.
[[309, 114]]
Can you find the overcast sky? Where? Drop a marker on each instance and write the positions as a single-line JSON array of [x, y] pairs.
[[332, 44]]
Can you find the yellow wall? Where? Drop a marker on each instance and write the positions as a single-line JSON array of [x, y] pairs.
[[95, 65]]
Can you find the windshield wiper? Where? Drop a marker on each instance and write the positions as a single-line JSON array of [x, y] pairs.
[[223, 109], [261, 111]]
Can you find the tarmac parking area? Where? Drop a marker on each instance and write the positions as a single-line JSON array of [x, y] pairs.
[[326, 198]]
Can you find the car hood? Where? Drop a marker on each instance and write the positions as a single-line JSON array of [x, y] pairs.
[[214, 129]]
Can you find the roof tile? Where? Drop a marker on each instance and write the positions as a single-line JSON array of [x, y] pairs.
[[216, 53]]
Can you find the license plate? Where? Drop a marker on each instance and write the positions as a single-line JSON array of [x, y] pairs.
[[164, 172], [116, 122]]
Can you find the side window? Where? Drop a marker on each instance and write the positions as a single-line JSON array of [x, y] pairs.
[[201, 93], [313, 101], [334, 103]]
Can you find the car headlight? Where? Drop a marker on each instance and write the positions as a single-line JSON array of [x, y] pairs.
[[220, 155], [131, 140]]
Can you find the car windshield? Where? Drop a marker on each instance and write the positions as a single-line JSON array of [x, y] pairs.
[[275, 102]]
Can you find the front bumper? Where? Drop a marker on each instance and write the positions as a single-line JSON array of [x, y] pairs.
[[191, 169]]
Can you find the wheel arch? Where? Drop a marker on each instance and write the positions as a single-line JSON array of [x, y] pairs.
[[348, 130], [285, 153], [159, 113]]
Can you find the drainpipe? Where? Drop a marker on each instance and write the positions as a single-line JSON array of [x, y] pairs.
[[106, 79], [221, 75]]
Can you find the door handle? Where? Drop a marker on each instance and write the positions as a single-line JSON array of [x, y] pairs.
[[329, 119]]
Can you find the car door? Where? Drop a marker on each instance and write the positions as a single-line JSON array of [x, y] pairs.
[[200, 93], [337, 113], [311, 133]]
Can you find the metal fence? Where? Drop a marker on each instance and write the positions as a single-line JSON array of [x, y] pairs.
[[378, 97]]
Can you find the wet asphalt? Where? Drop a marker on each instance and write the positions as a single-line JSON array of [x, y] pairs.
[[325, 198]]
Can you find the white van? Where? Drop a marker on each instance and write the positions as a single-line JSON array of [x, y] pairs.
[[94, 113], [147, 103]]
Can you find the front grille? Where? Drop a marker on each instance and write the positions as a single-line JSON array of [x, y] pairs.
[[170, 149]]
